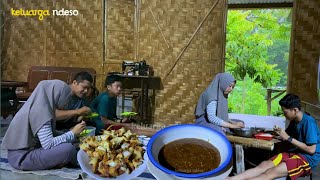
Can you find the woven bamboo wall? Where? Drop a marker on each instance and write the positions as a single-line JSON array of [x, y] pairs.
[[119, 33], [305, 50], [54, 41], [158, 35], [165, 29]]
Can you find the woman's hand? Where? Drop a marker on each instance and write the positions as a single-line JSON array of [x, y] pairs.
[[232, 125], [281, 132], [235, 125], [77, 129]]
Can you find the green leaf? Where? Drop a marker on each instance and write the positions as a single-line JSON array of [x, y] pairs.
[[92, 115], [127, 114], [85, 132]]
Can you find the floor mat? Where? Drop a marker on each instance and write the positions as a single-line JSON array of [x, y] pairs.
[[69, 173]]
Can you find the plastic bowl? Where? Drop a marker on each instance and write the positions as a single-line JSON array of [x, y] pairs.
[[176, 132]]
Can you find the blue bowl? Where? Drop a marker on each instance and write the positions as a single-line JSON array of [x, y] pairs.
[[182, 131]]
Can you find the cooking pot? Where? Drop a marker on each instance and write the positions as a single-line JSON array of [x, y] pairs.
[[247, 132]]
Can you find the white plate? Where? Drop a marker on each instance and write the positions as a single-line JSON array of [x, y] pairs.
[[142, 136], [157, 173], [83, 160]]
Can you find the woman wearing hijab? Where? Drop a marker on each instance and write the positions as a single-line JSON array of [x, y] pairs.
[[212, 106], [31, 139]]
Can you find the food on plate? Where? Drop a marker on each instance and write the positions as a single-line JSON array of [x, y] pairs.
[[264, 136], [86, 132], [128, 114], [189, 155], [113, 153]]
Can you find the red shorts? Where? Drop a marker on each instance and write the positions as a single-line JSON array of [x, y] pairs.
[[297, 165]]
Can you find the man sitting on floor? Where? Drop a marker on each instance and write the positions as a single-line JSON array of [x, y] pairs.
[[303, 134], [67, 117], [106, 103]]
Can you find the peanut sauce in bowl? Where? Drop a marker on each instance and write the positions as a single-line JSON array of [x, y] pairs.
[[190, 151], [189, 155]]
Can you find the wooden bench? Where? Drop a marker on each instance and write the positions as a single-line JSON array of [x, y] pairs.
[[9, 101], [39, 73]]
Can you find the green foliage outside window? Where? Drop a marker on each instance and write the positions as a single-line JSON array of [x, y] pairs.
[[257, 55]]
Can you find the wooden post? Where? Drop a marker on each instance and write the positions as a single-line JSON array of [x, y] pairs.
[[269, 92], [270, 98], [239, 158], [123, 100]]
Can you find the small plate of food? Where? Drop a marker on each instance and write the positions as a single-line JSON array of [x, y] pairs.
[[116, 154], [264, 136]]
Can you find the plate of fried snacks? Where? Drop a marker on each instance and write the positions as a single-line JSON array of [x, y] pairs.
[[116, 154]]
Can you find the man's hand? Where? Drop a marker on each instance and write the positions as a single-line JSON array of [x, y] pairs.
[[84, 110], [126, 120], [83, 118], [281, 132], [77, 129]]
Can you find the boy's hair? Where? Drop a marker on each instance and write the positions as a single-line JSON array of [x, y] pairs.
[[82, 76], [111, 79], [290, 101]]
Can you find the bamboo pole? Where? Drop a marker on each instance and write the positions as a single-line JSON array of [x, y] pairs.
[[159, 27], [251, 142], [104, 23], [292, 48], [104, 37]]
